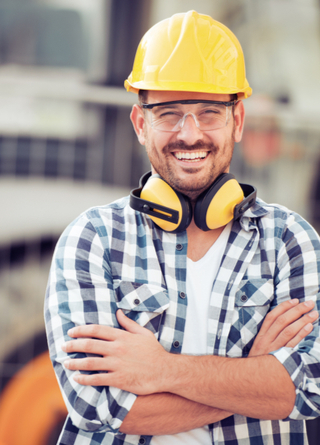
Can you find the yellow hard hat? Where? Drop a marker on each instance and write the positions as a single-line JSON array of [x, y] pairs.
[[189, 52]]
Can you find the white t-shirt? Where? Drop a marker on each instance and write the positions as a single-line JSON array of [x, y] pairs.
[[200, 277]]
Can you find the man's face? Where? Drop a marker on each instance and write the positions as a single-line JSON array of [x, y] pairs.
[[189, 159]]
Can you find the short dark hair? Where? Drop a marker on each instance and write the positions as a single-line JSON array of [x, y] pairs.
[[143, 96]]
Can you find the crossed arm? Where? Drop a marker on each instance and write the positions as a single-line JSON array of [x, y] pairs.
[[184, 392]]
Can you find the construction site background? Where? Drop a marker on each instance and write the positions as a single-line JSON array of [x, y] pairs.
[[67, 144]]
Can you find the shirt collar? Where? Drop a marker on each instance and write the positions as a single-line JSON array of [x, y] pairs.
[[248, 219]]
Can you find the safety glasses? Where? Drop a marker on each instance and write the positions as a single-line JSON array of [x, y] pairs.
[[171, 116]]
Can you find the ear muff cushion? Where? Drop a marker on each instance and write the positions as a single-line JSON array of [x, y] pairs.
[[158, 191], [215, 207]]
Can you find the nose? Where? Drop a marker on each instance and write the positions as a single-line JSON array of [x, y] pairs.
[[189, 129]]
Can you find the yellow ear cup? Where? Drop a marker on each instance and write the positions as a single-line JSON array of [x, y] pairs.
[[215, 206], [221, 208], [157, 191]]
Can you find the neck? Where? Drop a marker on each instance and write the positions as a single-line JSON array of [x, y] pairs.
[[199, 242]]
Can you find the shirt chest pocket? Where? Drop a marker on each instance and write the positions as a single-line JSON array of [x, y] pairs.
[[144, 303], [252, 304]]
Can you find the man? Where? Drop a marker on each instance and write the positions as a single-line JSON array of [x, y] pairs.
[[219, 342]]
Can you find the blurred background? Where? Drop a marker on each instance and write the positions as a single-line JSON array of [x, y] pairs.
[[66, 144]]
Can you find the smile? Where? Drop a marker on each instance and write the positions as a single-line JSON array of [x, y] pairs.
[[190, 156]]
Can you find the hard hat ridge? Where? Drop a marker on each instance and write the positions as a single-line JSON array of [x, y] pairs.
[[189, 52]]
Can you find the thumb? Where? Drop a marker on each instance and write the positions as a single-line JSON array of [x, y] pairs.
[[130, 325]]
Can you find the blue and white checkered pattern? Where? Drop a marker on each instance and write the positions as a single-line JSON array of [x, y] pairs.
[[113, 257]]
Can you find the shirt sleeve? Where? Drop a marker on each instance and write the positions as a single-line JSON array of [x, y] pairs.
[[297, 276], [80, 291]]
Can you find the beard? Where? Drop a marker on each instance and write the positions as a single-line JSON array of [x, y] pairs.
[[195, 185]]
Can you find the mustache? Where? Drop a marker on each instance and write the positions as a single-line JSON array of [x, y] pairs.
[[180, 145]]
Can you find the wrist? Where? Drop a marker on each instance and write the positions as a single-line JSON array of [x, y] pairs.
[[178, 372]]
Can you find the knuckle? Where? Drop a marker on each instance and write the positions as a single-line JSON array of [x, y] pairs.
[[119, 349], [89, 363], [96, 379], [289, 332], [300, 310], [283, 319], [88, 345], [94, 330]]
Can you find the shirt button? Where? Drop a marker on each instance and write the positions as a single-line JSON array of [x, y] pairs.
[[136, 301], [94, 425], [142, 440], [179, 246], [244, 298], [182, 295], [176, 344]]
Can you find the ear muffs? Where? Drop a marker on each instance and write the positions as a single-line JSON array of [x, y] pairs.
[[223, 201], [215, 206], [154, 191]]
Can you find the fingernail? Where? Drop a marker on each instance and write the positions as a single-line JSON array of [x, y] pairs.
[[313, 315], [308, 327], [66, 364], [294, 301], [309, 303], [64, 347]]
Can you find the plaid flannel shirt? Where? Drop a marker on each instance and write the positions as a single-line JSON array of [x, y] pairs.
[[113, 257]]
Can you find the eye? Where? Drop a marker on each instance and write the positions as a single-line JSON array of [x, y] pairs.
[[160, 114], [168, 113], [212, 111]]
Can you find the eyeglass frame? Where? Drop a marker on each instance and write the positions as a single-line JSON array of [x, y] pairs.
[[230, 103]]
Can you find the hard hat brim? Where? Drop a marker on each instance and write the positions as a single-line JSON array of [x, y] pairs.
[[178, 86]]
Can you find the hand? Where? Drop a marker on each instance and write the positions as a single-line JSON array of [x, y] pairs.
[[134, 355], [134, 359], [285, 326]]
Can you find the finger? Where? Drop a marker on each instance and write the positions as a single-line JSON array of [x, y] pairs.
[[87, 346], [295, 331], [292, 315], [94, 331], [306, 330], [130, 325], [280, 319], [276, 312], [86, 364], [101, 379]]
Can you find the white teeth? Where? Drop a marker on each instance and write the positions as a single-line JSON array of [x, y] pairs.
[[190, 155]]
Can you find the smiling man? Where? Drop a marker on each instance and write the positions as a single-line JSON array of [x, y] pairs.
[[183, 314], [189, 155]]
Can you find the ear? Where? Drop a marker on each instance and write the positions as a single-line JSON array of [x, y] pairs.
[[239, 114], [138, 122]]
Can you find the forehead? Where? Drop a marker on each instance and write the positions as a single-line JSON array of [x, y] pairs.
[[165, 96]]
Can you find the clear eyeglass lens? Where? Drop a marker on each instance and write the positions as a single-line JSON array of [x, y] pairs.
[[207, 117]]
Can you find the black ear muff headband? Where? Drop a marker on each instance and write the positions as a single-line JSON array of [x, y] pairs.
[[223, 201]]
